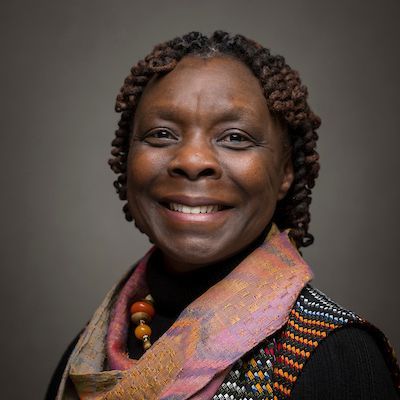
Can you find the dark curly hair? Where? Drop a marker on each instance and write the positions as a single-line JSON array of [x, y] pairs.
[[286, 98]]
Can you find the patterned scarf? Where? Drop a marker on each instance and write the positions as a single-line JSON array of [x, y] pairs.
[[191, 360]]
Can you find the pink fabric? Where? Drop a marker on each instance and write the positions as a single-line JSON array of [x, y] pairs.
[[134, 289], [192, 358]]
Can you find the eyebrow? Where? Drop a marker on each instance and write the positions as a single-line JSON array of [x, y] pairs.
[[173, 114]]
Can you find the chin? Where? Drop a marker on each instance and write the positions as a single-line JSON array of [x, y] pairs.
[[194, 254]]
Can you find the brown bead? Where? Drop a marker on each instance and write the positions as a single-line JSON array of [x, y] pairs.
[[140, 316]]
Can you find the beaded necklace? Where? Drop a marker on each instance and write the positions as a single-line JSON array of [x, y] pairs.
[[142, 312]]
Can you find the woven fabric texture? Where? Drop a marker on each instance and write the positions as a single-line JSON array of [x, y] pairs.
[[270, 370], [193, 357]]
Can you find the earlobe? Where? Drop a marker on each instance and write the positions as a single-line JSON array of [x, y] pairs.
[[287, 178]]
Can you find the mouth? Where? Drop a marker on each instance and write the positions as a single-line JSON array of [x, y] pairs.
[[188, 211], [180, 204], [197, 209]]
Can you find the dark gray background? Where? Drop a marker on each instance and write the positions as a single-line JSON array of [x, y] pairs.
[[64, 239]]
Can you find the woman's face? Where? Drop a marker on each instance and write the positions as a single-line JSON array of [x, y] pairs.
[[207, 162]]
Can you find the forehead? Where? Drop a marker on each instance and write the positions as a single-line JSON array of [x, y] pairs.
[[211, 85]]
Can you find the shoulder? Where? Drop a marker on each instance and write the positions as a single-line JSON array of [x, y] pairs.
[[340, 354], [348, 364], [316, 305]]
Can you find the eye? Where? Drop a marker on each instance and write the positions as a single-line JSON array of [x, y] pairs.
[[236, 140], [160, 137]]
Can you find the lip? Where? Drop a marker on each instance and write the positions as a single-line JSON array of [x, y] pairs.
[[180, 217], [194, 201]]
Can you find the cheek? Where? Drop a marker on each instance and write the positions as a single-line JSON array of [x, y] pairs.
[[141, 170], [258, 177], [140, 175]]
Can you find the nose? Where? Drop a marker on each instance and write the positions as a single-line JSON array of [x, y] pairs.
[[195, 159]]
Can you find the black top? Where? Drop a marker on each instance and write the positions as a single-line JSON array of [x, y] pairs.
[[346, 365]]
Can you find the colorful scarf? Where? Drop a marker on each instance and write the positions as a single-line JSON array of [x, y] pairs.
[[191, 360]]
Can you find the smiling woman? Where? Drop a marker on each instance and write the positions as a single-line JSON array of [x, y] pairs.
[[215, 156], [192, 149]]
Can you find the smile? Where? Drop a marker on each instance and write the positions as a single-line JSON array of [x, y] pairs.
[[204, 209]]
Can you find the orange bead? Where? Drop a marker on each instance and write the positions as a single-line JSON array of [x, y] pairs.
[[143, 306], [142, 330]]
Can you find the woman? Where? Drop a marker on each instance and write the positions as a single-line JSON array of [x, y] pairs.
[[215, 155]]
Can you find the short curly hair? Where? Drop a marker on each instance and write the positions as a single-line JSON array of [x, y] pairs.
[[286, 99]]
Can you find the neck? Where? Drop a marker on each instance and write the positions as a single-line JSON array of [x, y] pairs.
[[173, 291], [176, 267]]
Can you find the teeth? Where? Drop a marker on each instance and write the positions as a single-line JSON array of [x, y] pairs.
[[194, 210], [187, 210]]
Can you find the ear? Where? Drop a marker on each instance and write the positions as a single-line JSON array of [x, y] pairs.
[[287, 177]]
